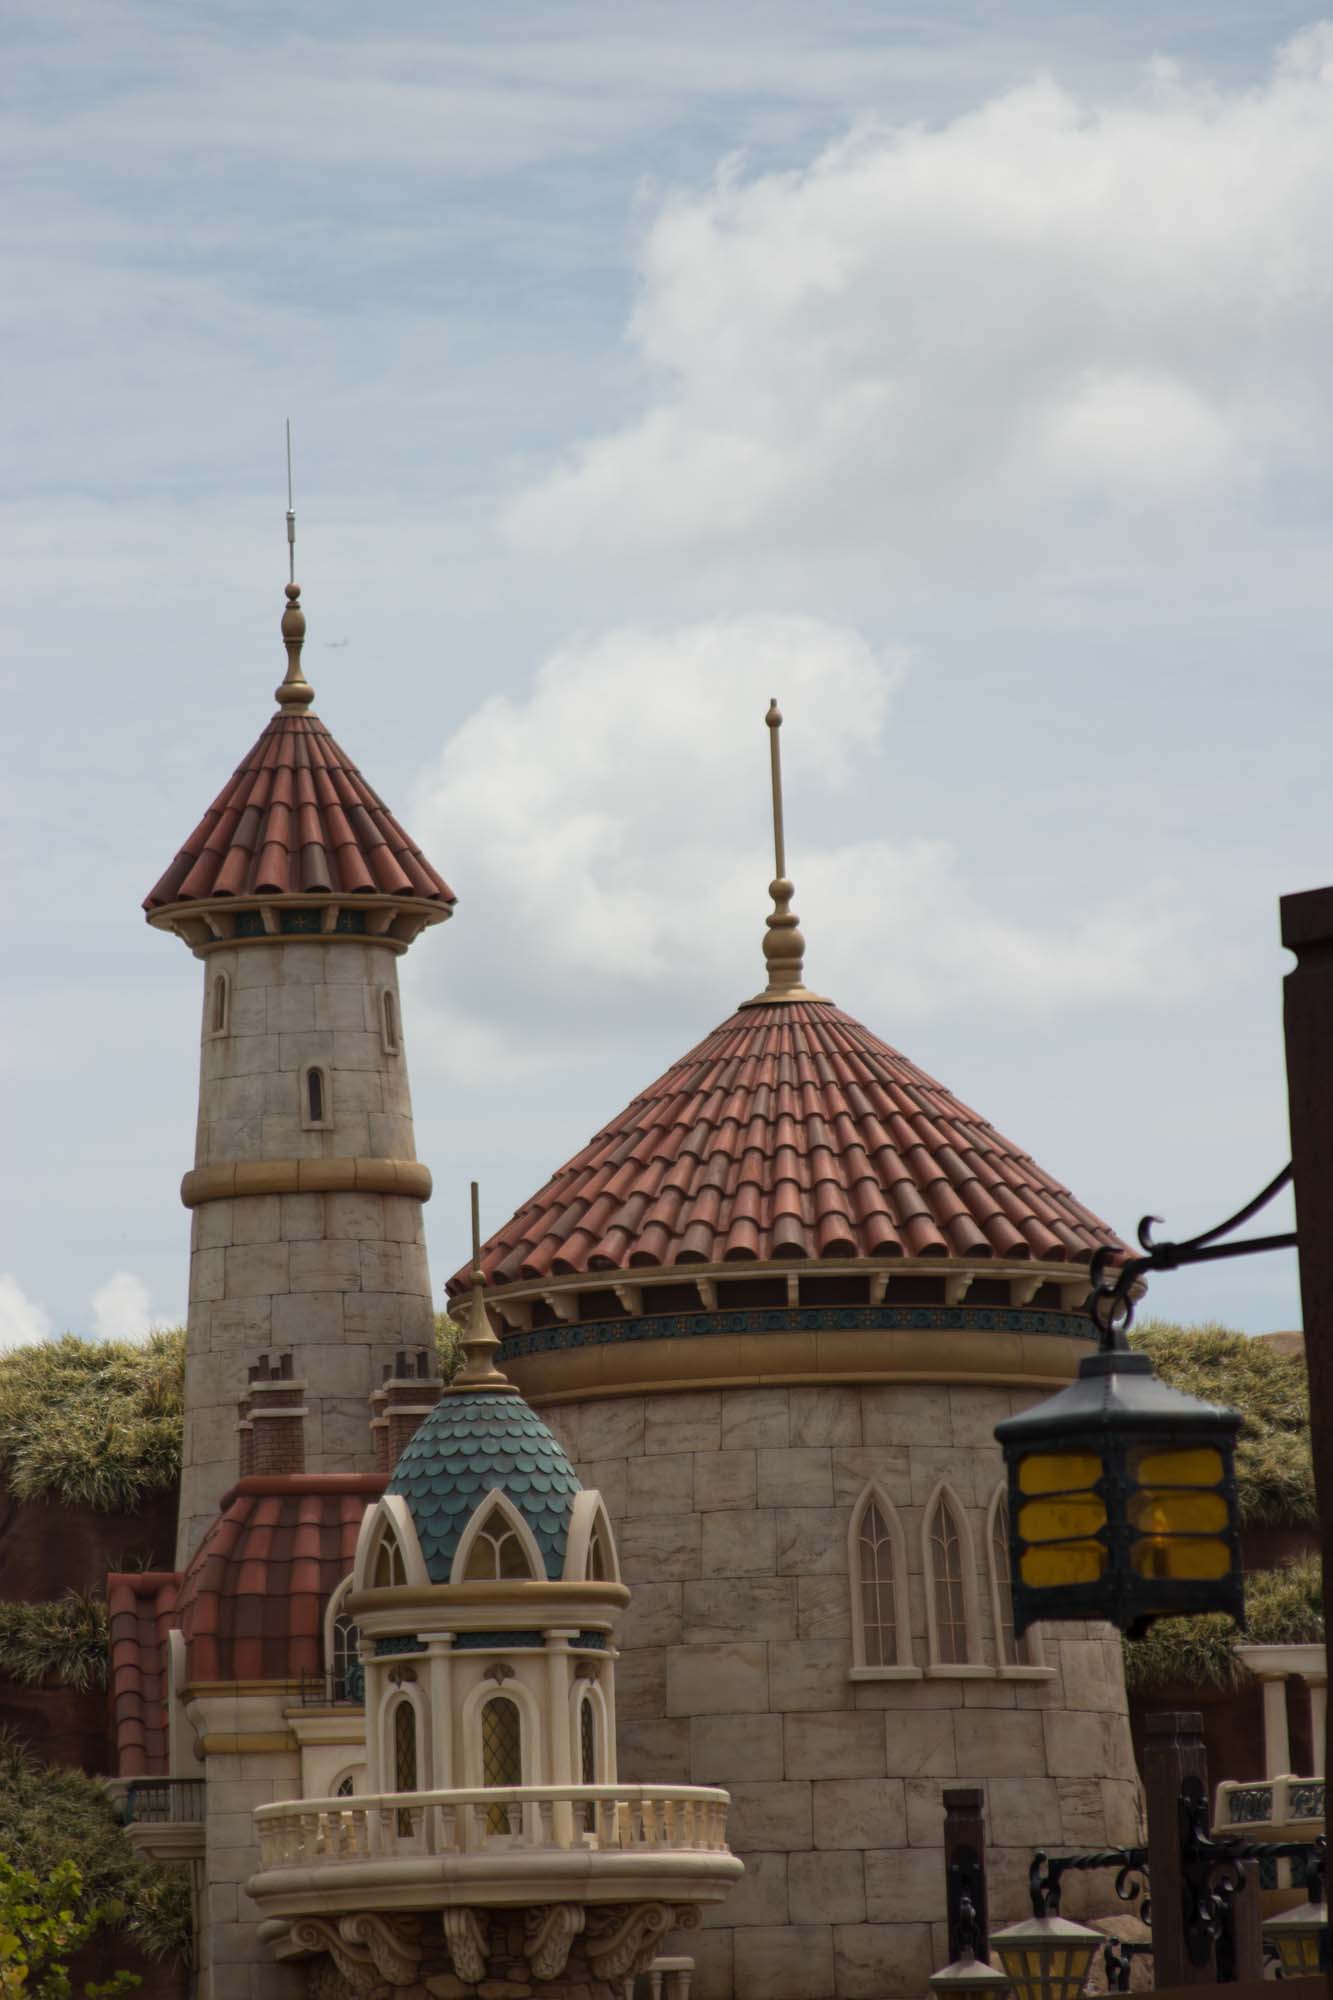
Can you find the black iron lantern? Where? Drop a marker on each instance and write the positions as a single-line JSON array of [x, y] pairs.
[[1122, 1499]]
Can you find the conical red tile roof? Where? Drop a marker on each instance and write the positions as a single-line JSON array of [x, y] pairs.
[[297, 817], [791, 1132]]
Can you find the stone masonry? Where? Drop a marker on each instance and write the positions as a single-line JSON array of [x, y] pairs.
[[731, 1508], [338, 1277]]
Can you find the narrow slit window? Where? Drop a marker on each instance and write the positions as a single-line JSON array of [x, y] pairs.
[[221, 1004], [947, 1584], [876, 1583], [389, 1021], [405, 1766], [587, 1742], [314, 1096]]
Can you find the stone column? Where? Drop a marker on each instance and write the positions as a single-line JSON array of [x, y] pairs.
[[1277, 1737], [1318, 1686]]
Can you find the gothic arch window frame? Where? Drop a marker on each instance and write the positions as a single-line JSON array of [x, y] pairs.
[[588, 1694], [531, 1735], [310, 1121], [492, 1502], [1029, 1655], [388, 1516], [589, 1529], [333, 1613], [410, 1695], [903, 1666], [971, 1666]]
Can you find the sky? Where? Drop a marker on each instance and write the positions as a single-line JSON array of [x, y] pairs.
[[961, 375]]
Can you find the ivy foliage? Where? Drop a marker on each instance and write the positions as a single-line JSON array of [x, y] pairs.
[[93, 1423], [52, 1815], [59, 1643]]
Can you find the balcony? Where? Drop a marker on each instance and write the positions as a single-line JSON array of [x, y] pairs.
[[164, 1818]]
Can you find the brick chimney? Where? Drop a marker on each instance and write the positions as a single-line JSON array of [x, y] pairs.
[[276, 1415], [245, 1437], [409, 1392]]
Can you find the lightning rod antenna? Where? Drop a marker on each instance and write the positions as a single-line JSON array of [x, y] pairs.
[[291, 512]]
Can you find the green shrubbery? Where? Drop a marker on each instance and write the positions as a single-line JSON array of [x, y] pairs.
[[52, 1814], [61, 1642], [94, 1423]]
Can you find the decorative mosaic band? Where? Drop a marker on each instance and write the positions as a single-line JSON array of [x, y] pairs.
[[800, 1319]]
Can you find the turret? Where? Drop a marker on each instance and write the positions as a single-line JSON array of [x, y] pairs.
[[299, 892]]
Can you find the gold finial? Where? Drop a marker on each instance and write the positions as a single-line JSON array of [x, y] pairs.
[[784, 947], [480, 1339], [295, 692]]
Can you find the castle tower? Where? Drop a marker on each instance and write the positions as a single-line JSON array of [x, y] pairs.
[[299, 892], [773, 1310]]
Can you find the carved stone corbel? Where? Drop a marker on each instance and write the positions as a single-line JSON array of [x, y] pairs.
[[466, 1939], [393, 1947], [548, 1936], [617, 1949], [352, 1960]]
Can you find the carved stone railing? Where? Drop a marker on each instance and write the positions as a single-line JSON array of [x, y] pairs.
[[1273, 1805], [665, 1819]]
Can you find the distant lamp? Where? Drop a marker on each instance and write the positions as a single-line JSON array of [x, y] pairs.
[[968, 1974], [1122, 1499], [1046, 1958], [1297, 1935]]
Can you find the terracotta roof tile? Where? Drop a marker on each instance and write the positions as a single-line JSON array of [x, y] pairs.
[[791, 1132], [252, 1601], [141, 1609], [297, 816]]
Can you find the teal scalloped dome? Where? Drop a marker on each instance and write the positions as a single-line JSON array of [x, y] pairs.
[[472, 1444]]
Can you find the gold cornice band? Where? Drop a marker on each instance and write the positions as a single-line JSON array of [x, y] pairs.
[[854, 1357], [344, 1176]]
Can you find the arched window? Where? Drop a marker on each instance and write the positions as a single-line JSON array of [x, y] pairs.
[[599, 1558], [1009, 1652], [587, 1743], [390, 1569], [877, 1567], [346, 1680], [316, 1108], [220, 1004], [950, 1584], [403, 1750], [389, 1021], [501, 1756], [496, 1553], [345, 1789]]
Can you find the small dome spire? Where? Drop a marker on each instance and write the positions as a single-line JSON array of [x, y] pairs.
[[784, 946], [295, 694], [480, 1340]]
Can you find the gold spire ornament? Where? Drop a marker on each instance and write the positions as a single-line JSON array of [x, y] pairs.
[[480, 1340], [295, 693], [784, 946]]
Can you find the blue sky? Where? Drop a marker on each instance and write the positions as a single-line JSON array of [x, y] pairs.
[[959, 374]]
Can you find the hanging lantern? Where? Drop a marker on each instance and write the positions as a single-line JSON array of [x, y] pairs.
[[1297, 1935], [1046, 1958], [969, 1976], [1122, 1499]]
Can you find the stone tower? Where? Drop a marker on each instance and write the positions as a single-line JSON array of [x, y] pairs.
[[299, 891], [773, 1310]]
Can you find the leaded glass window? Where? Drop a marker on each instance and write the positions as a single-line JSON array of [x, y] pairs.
[[345, 1665], [947, 1585], [875, 1580], [501, 1756], [587, 1742]]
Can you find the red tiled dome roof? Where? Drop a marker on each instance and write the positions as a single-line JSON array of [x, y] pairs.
[[252, 1601], [790, 1132], [297, 817], [140, 1612]]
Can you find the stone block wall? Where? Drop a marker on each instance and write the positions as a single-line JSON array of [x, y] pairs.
[[339, 1278], [731, 1508], [236, 1965]]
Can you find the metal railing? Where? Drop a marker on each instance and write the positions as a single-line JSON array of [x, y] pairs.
[[165, 1802], [496, 1819]]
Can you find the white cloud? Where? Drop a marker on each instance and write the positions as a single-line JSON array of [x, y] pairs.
[[22, 1321], [1052, 331], [120, 1308]]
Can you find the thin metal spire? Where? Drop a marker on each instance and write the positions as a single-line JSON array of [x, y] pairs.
[[295, 694], [784, 947], [480, 1340]]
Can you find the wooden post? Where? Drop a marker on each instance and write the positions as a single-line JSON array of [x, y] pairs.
[[965, 1867], [1173, 1750], [1307, 930]]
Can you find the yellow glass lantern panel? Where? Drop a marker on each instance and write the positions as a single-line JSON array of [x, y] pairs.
[[1058, 1471], [1180, 1558], [1161, 1511], [1194, 1466], [1062, 1562]]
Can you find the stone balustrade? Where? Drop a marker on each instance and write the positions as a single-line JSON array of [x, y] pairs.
[[663, 1819]]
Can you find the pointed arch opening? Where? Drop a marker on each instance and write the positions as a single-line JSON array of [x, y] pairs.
[[501, 1758], [390, 1571], [881, 1604], [1010, 1652], [342, 1649], [590, 1548], [950, 1577], [497, 1546]]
